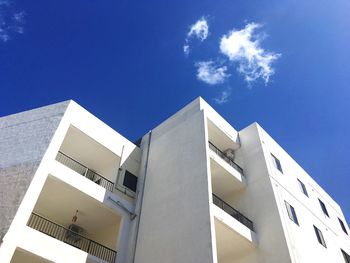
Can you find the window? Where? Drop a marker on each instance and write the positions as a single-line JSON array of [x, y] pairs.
[[130, 181], [303, 188], [324, 209], [342, 225], [346, 256], [276, 163], [291, 213], [320, 237]]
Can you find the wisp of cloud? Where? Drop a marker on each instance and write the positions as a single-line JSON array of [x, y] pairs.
[[211, 73], [10, 22], [199, 30], [223, 98], [243, 47]]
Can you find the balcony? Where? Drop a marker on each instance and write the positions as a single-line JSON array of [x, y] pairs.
[[71, 237], [232, 212], [225, 158], [84, 171], [226, 176], [234, 233], [77, 219]]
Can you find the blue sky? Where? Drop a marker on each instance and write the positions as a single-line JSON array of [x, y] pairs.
[[125, 62]]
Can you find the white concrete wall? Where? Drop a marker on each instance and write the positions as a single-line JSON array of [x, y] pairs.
[[78, 117], [175, 223], [134, 225], [24, 138], [302, 241], [49, 248], [257, 202], [219, 121], [106, 236], [234, 224]]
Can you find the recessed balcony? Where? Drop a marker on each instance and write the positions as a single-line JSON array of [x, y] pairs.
[[235, 234], [226, 176], [89, 158], [232, 212], [76, 219], [221, 133], [84, 171], [224, 156], [71, 237]]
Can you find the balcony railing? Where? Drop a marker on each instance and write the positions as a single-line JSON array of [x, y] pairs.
[[85, 171], [227, 159], [71, 238], [232, 212]]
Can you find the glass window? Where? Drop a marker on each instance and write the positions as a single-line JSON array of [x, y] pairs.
[[291, 213], [276, 163], [303, 188], [319, 236], [346, 256], [342, 226], [130, 181], [324, 209]]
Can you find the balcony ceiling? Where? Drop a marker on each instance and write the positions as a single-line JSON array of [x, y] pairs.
[[89, 152], [58, 202], [230, 244], [21, 256], [224, 183], [221, 139]]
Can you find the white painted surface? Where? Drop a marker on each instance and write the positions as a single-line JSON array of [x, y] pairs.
[[301, 240], [108, 139], [175, 221], [233, 224], [178, 222]]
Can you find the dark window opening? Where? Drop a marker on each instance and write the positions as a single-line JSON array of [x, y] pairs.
[[277, 163], [130, 181], [303, 188], [324, 209], [291, 213], [342, 226], [346, 256], [319, 236]]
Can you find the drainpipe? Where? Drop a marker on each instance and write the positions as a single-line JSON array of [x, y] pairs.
[[141, 197], [119, 168]]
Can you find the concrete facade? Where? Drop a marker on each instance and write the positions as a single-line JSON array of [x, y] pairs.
[[172, 145], [24, 140], [194, 190]]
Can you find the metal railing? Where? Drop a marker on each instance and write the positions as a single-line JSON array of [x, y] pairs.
[[72, 238], [223, 156], [232, 212], [85, 171]]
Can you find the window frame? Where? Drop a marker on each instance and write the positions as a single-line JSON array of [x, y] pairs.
[[277, 163], [320, 237], [302, 187], [291, 213], [129, 182], [323, 207], [346, 256], [342, 225]]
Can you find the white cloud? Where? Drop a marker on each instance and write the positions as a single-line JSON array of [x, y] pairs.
[[199, 30], [10, 22], [186, 49], [211, 73], [223, 98], [243, 46]]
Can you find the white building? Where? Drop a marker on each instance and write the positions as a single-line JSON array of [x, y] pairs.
[[193, 190]]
